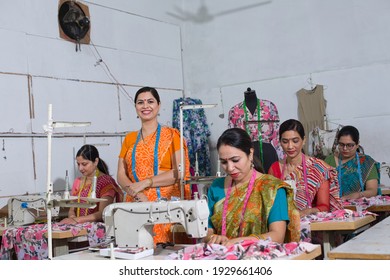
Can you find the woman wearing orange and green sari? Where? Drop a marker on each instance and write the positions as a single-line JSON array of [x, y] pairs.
[[247, 204], [149, 159]]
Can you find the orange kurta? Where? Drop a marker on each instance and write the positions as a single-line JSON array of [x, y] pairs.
[[169, 143]]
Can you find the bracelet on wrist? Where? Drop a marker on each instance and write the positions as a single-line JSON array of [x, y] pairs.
[[259, 236], [150, 183]]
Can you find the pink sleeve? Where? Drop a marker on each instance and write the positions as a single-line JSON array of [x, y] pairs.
[[76, 187]]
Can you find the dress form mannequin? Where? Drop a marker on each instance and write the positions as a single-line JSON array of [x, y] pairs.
[[250, 100]]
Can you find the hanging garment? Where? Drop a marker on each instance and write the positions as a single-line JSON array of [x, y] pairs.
[[196, 132], [322, 143], [311, 109], [269, 123]]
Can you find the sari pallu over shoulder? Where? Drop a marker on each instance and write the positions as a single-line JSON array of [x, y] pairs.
[[257, 210]]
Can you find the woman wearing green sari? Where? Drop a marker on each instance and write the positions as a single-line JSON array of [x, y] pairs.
[[247, 204], [357, 173]]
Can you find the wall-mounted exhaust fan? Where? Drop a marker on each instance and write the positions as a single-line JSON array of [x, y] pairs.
[[74, 22]]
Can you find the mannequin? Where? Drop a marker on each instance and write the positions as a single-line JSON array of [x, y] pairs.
[[250, 100], [245, 115]]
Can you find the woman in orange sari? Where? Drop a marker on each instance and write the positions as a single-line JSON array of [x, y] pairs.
[[148, 165]]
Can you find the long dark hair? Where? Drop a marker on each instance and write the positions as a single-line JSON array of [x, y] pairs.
[[152, 90], [351, 131], [239, 139], [89, 152], [293, 125]]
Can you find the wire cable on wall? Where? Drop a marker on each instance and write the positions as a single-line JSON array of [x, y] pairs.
[[106, 69]]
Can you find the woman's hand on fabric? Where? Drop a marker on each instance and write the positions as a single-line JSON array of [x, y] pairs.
[[350, 196], [232, 241], [68, 221], [308, 211], [217, 239], [237, 240]]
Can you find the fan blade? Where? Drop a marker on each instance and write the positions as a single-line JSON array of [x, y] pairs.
[[242, 8], [177, 16]]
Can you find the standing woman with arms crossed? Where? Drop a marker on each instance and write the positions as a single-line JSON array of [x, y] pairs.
[[317, 188], [148, 165]]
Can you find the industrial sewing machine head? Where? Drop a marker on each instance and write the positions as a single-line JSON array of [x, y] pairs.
[[26, 209], [131, 224]]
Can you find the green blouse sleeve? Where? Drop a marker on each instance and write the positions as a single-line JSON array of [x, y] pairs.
[[330, 160]]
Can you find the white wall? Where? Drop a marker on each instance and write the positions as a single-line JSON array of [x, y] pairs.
[[273, 46], [276, 47], [38, 68]]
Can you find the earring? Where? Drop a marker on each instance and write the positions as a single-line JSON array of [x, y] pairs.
[[252, 164], [137, 117]]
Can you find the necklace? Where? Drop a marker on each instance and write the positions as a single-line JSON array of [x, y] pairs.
[[88, 194], [151, 137], [308, 200], [226, 202]]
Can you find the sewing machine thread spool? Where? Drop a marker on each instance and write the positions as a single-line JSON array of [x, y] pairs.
[[93, 194], [66, 192], [112, 252]]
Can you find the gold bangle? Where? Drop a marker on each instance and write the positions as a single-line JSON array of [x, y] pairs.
[[74, 219], [261, 236], [150, 182]]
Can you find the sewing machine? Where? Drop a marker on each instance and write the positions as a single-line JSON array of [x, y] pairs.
[[25, 209], [132, 223]]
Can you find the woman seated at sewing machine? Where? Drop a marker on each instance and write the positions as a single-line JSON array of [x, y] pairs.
[[247, 204], [357, 173], [90, 164]]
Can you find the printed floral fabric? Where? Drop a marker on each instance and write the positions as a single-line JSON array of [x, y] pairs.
[[269, 130], [30, 242], [337, 215], [367, 202], [196, 132], [247, 250]]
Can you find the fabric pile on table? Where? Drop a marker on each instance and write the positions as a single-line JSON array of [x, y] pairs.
[[30, 242], [247, 250], [367, 202]]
